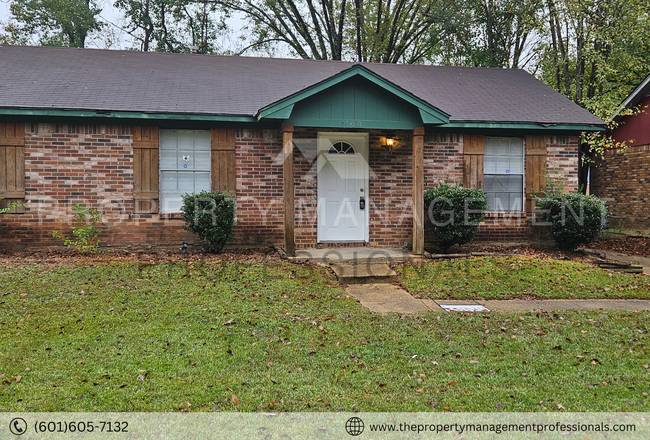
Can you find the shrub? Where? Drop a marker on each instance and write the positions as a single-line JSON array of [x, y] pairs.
[[455, 213], [573, 219], [84, 232], [211, 216]]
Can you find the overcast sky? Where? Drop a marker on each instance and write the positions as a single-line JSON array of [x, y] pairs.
[[109, 14], [122, 40]]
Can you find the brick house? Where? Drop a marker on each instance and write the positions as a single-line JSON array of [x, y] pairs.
[[300, 143], [622, 178]]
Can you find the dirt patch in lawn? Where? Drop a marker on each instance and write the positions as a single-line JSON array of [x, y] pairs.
[[630, 245], [68, 256]]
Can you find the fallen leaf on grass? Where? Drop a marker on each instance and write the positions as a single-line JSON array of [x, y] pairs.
[[17, 378], [558, 406], [235, 400], [435, 363], [229, 322], [140, 377], [420, 390], [80, 361], [473, 362], [452, 382]]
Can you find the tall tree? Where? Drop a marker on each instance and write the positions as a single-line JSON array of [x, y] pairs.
[[311, 30], [401, 31], [173, 25], [595, 52], [387, 31], [54, 22], [492, 33]]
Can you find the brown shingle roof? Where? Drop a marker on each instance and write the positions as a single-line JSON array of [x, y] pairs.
[[91, 79]]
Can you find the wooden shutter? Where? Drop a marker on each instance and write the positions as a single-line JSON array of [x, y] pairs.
[[535, 168], [223, 160], [12, 164], [145, 170], [473, 155]]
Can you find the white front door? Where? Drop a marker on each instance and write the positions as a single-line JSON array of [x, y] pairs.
[[342, 184]]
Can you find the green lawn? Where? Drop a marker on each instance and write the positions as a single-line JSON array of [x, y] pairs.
[[518, 277], [178, 336]]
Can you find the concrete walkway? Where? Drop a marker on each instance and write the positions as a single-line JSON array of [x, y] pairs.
[[372, 282], [357, 255], [387, 298], [366, 276]]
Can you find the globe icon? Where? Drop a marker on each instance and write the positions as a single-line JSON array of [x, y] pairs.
[[354, 426]]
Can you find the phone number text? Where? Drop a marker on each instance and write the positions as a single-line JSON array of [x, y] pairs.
[[65, 427]]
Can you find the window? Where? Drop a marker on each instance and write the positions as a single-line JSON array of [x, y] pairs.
[[503, 173], [341, 148], [184, 166]]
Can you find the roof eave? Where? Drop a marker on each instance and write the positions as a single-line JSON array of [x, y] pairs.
[[119, 114], [633, 98], [529, 126]]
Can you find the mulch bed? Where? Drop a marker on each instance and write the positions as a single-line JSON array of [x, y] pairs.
[[630, 246], [522, 250], [149, 256]]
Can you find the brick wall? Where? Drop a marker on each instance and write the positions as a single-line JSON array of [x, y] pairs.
[[443, 158], [93, 164], [66, 164], [260, 211], [622, 179], [562, 160]]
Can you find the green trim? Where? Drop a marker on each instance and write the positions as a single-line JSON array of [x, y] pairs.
[[428, 118], [338, 123], [125, 115], [434, 115], [283, 113], [522, 126]]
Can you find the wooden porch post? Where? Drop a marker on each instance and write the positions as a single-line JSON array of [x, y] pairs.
[[418, 190], [287, 192]]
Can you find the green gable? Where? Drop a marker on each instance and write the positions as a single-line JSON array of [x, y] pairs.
[[355, 98], [356, 102]]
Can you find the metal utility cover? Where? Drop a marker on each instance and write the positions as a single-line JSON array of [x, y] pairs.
[[464, 308]]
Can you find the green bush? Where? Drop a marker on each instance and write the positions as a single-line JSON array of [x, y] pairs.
[[84, 231], [211, 216], [454, 213], [573, 219]]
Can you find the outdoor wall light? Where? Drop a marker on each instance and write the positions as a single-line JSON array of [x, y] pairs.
[[389, 142]]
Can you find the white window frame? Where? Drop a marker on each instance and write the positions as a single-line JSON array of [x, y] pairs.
[[178, 169], [522, 173]]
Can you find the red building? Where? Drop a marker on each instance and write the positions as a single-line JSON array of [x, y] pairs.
[[622, 178]]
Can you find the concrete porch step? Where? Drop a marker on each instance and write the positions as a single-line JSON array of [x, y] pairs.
[[364, 273], [360, 255]]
